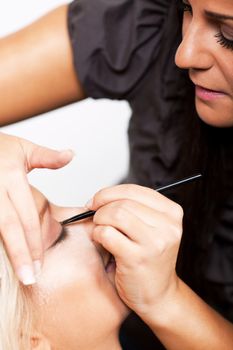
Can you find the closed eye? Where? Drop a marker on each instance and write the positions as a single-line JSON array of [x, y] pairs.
[[63, 235]]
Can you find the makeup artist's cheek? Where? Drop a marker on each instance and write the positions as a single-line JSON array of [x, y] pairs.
[[229, 76]]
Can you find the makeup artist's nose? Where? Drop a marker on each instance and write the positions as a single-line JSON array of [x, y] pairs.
[[194, 51]]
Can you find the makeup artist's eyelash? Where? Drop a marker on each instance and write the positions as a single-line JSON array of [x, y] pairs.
[[228, 44], [224, 42]]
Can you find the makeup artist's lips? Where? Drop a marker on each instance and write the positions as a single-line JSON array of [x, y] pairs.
[[207, 94]]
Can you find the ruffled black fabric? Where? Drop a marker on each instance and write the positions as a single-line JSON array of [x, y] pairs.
[[125, 49], [114, 42]]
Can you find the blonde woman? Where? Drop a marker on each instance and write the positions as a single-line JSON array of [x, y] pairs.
[[74, 304]]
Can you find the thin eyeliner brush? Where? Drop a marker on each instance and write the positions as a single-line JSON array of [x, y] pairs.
[[161, 189], [178, 183], [78, 217]]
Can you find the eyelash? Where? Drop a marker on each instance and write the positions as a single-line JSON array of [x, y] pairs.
[[61, 237], [224, 42]]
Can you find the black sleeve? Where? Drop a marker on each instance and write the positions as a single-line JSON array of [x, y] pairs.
[[114, 43]]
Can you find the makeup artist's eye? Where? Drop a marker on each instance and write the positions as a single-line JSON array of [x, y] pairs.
[[223, 41], [63, 235]]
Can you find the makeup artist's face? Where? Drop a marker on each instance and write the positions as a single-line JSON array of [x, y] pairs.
[[207, 51], [75, 295]]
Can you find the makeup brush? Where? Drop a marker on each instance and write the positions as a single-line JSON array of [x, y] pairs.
[[161, 189]]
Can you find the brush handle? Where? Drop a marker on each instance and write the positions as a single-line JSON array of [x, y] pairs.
[[178, 183], [78, 217], [161, 189]]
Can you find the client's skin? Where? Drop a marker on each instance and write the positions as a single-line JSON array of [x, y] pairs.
[[75, 302]]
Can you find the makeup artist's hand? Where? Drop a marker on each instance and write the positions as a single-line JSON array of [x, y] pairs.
[[20, 226], [142, 229]]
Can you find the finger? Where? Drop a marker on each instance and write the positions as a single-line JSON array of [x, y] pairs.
[[28, 216], [114, 242], [15, 243], [146, 214], [50, 228], [43, 157], [143, 195], [124, 221]]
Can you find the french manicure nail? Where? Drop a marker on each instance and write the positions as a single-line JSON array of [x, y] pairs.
[[37, 267], [26, 275]]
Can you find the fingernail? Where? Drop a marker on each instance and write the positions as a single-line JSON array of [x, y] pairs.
[[26, 275], [70, 152], [37, 267], [89, 204]]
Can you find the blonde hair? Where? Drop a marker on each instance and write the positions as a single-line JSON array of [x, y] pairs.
[[15, 309]]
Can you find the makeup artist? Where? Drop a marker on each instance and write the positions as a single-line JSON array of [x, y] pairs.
[[126, 50]]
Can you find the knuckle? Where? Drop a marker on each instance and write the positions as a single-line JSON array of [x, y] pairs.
[[177, 232], [36, 253], [99, 218], [118, 214], [141, 258], [98, 230], [106, 234], [99, 197], [103, 230], [102, 234], [161, 246], [30, 227], [130, 190], [178, 211], [158, 245], [108, 230]]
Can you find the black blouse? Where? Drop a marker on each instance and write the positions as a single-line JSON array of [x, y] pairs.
[[125, 49]]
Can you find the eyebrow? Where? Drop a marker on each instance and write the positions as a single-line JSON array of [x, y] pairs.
[[218, 16]]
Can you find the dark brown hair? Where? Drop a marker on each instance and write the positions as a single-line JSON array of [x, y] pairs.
[[207, 150]]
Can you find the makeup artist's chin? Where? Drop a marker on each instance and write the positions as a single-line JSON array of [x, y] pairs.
[[217, 112]]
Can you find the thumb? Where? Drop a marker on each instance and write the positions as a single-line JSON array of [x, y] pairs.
[[43, 157]]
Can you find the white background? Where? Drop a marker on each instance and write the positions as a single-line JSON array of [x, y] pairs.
[[96, 131]]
